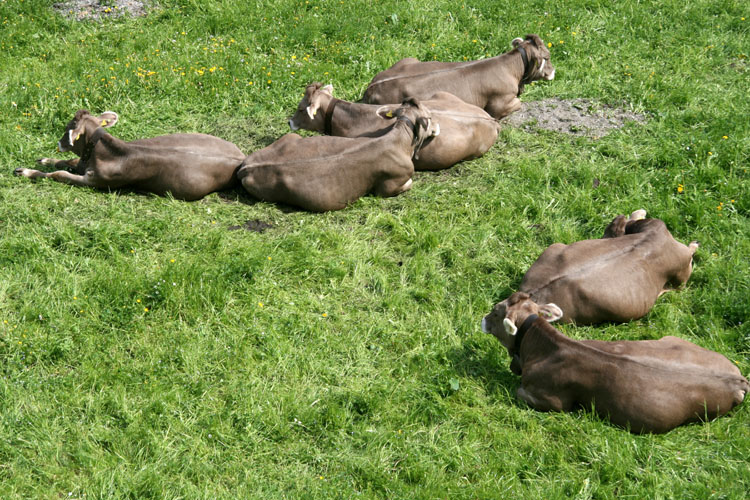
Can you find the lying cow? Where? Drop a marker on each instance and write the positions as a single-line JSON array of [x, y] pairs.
[[327, 173], [615, 278], [493, 84], [466, 131], [644, 385], [189, 166]]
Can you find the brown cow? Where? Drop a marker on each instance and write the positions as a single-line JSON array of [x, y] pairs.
[[615, 278], [327, 173], [189, 166], [644, 385], [466, 131], [493, 84]]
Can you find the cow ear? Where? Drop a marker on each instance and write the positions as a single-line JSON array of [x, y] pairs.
[[75, 133], [387, 112], [312, 109], [510, 327], [515, 42], [328, 89], [551, 312], [108, 118], [637, 215]]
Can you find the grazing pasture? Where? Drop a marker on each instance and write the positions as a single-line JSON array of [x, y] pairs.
[[148, 351]]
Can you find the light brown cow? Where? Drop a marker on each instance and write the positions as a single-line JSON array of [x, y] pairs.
[[615, 278], [466, 131], [644, 385], [189, 166], [493, 84], [327, 173]]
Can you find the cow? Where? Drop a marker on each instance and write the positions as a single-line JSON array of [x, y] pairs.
[[615, 278], [493, 84], [189, 166], [323, 173], [646, 386], [466, 131]]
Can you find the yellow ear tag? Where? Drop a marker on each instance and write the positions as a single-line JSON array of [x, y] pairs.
[[78, 137], [104, 122], [389, 114]]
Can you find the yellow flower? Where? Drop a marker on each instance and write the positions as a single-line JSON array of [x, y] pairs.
[[549, 45], [724, 137], [138, 300], [171, 260], [680, 188], [260, 304], [325, 315], [145, 309]]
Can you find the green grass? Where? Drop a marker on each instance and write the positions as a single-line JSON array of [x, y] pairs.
[[149, 352]]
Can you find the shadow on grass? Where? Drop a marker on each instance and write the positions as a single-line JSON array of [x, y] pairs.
[[489, 366]]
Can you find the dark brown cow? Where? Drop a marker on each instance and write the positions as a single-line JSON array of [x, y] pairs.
[[646, 385], [466, 131], [189, 166], [615, 278], [327, 173], [493, 84]]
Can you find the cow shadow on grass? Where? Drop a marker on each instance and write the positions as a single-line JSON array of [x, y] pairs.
[[487, 364]]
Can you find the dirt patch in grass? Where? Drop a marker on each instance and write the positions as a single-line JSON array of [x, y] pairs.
[[576, 116], [100, 9]]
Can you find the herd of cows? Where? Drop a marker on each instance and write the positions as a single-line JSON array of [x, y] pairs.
[[448, 113]]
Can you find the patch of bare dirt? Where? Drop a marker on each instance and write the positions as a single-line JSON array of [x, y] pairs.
[[100, 9], [583, 117]]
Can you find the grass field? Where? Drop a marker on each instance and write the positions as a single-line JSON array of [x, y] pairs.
[[147, 351]]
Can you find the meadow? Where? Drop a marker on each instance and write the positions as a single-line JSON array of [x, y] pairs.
[[148, 351]]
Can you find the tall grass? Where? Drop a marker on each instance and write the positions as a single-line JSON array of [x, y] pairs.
[[149, 352]]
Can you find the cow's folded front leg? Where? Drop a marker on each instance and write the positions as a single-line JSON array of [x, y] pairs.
[[70, 165], [501, 107], [393, 187], [539, 401]]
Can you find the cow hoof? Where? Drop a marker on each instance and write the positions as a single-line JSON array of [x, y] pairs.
[[19, 171]]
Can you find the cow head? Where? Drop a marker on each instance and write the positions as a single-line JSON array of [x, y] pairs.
[[307, 117], [505, 318], [411, 110], [538, 56], [81, 127]]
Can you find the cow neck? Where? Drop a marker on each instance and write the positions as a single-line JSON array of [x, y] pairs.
[[91, 144], [411, 126], [526, 78], [521, 333], [415, 137], [327, 128]]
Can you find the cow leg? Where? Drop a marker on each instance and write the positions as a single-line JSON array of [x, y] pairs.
[[58, 175], [502, 107], [540, 402], [393, 187], [70, 165]]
